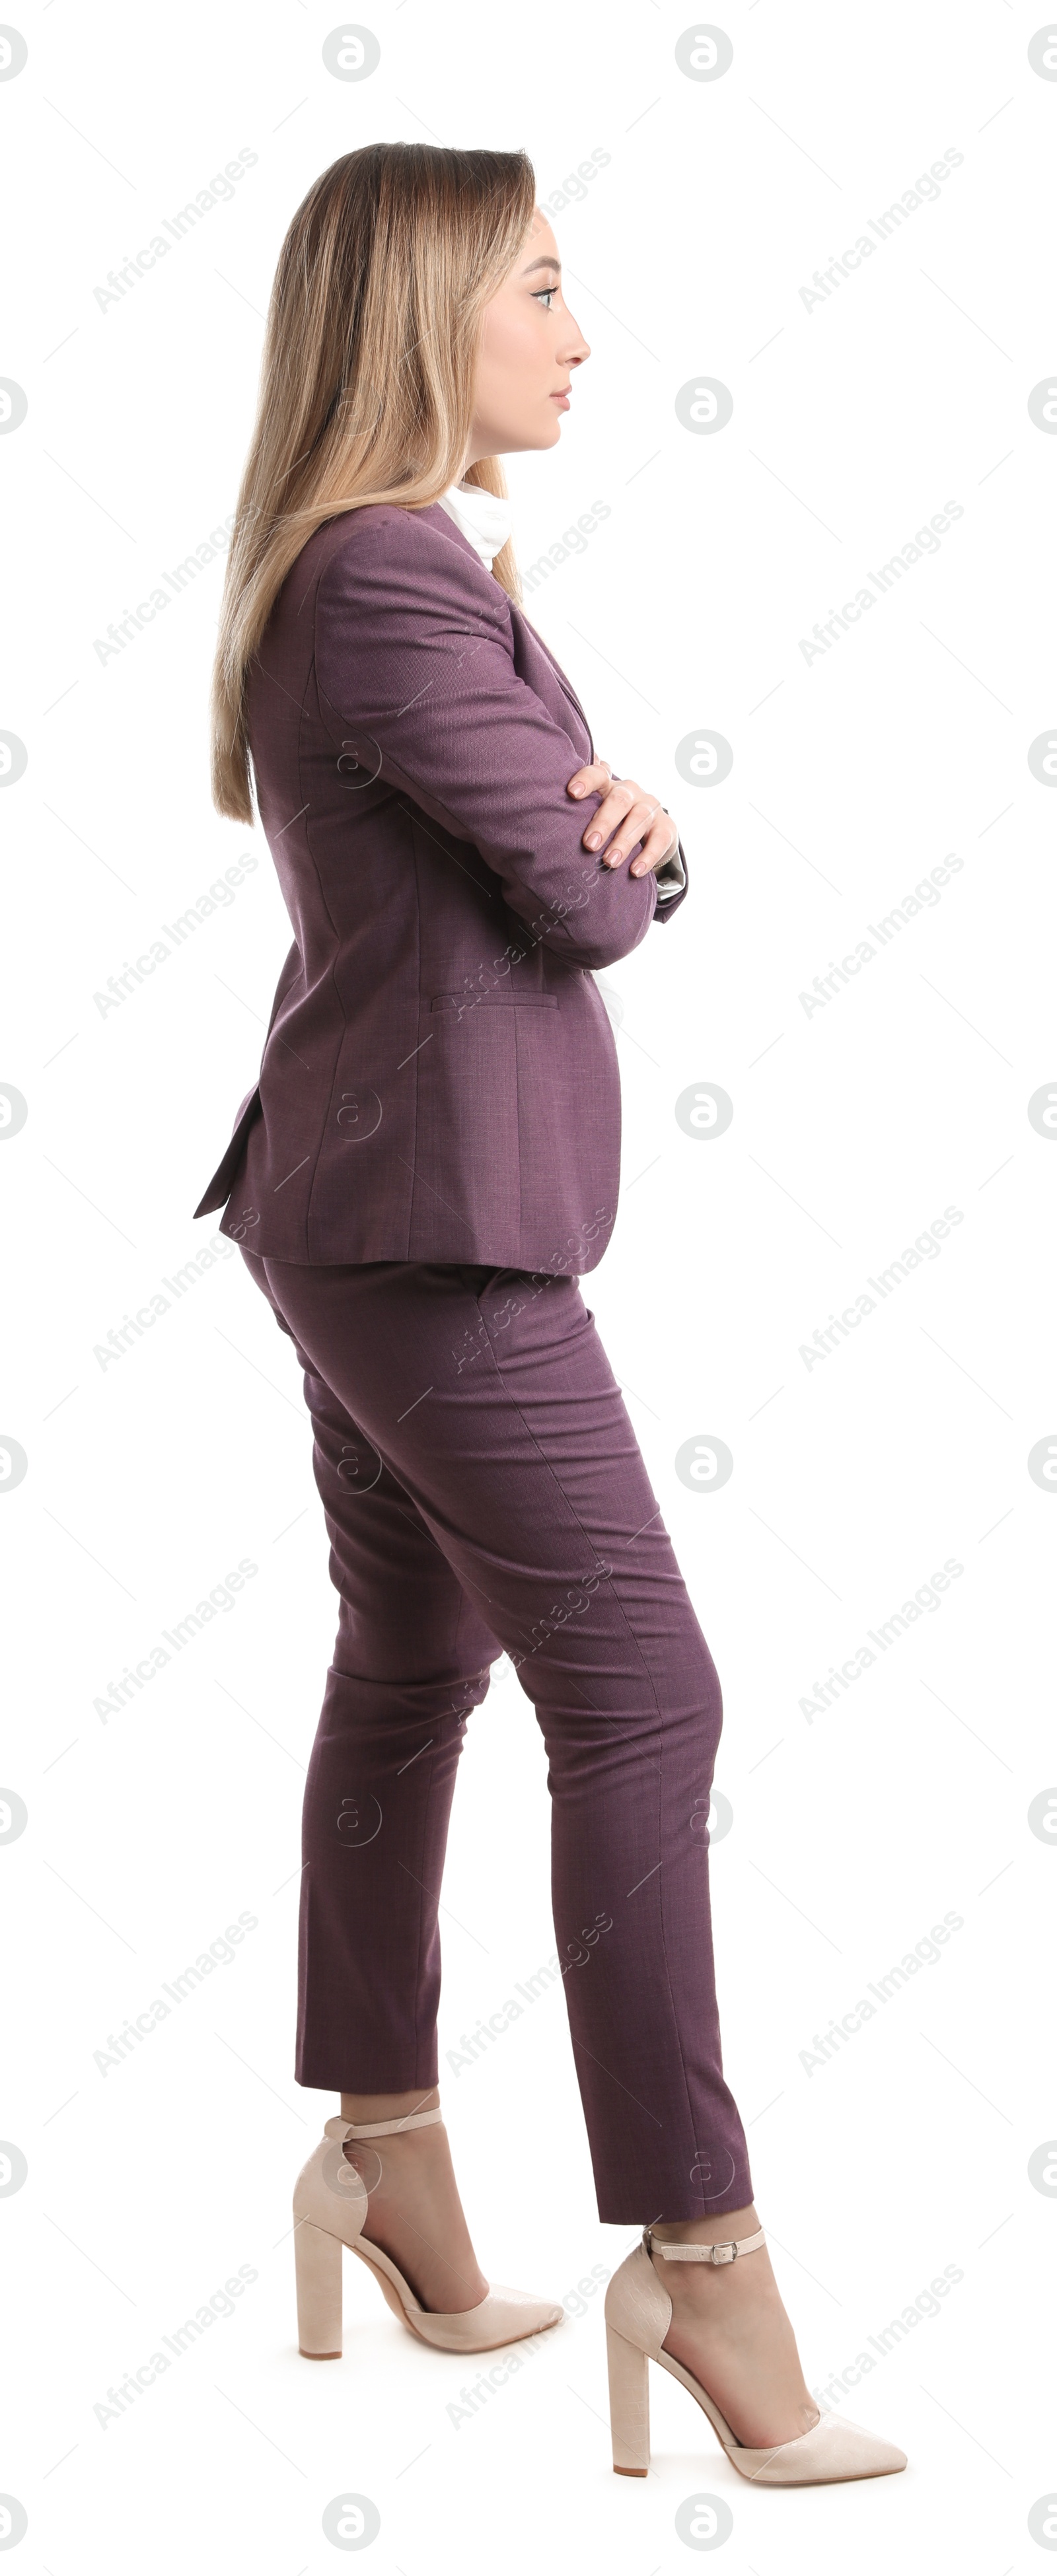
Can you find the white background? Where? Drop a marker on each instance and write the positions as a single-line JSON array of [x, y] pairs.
[[854, 421]]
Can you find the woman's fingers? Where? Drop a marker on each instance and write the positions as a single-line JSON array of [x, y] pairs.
[[631, 817], [645, 821], [629, 814], [616, 805], [660, 843], [594, 774]]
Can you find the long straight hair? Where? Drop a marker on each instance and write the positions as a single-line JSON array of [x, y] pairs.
[[367, 378]]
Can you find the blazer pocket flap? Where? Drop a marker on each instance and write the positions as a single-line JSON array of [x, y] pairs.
[[501, 994]]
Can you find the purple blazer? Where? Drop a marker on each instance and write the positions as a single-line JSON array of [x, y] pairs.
[[439, 1080]]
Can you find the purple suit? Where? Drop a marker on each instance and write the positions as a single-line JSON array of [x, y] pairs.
[[439, 1080], [431, 1152]]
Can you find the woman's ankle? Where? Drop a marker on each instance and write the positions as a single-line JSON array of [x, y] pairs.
[[706, 2231], [362, 2107]]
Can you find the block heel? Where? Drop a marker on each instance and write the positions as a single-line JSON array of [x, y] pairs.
[[317, 2261], [629, 2405]]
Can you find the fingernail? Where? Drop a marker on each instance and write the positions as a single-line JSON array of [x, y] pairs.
[[594, 840], [613, 858], [579, 791]]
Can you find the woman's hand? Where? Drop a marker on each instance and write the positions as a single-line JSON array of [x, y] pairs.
[[628, 811]]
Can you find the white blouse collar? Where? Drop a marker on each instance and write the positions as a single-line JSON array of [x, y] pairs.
[[484, 517]]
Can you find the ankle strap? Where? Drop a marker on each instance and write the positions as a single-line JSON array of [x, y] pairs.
[[726, 2252], [379, 2128]]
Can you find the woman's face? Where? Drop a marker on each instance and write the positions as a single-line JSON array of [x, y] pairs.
[[528, 350]]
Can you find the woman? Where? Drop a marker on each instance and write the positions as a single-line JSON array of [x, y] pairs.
[[427, 1165]]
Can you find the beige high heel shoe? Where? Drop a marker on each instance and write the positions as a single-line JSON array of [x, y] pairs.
[[638, 2313], [330, 2206]]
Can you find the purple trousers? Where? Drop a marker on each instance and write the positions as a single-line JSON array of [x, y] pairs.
[[484, 1492]]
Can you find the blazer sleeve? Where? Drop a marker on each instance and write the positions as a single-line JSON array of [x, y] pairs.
[[414, 652]]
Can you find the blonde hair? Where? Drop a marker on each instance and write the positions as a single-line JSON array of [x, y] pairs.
[[367, 378]]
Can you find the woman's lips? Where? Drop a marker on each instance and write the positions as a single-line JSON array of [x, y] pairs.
[[563, 399]]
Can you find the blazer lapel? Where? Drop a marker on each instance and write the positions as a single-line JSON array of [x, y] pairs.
[[563, 683], [450, 528]]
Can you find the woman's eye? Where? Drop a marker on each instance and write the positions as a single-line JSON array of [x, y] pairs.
[[543, 292]]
